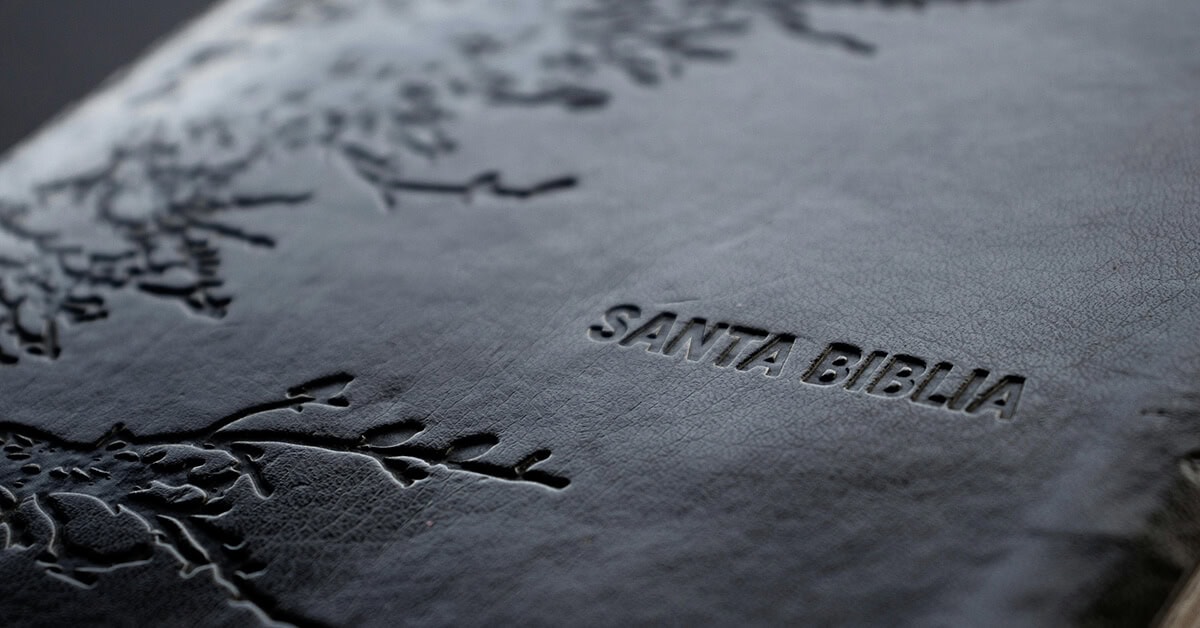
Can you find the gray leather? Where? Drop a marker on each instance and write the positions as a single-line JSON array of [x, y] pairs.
[[320, 289]]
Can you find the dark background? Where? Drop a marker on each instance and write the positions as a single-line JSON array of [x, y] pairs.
[[54, 52]]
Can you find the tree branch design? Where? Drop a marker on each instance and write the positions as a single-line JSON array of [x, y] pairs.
[[155, 213], [82, 509]]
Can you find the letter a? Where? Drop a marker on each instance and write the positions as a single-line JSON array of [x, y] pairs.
[[653, 333], [771, 356], [1002, 397]]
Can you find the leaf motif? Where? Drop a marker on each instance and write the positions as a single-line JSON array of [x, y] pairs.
[[391, 435], [406, 471], [7, 500], [532, 459], [328, 391], [93, 530], [207, 466], [166, 495], [471, 447], [30, 525]]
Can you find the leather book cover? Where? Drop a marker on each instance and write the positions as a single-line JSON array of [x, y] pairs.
[[612, 312]]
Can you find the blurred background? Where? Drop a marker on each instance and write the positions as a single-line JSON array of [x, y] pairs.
[[54, 52]]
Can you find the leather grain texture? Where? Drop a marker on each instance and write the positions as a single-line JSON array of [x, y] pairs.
[[609, 312]]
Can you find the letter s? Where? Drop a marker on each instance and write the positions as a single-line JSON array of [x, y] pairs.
[[616, 323]]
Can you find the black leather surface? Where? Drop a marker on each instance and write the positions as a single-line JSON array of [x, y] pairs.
[[306, 318]]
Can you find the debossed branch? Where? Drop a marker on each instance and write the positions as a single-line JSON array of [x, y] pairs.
[[82, 509], [155, 214]]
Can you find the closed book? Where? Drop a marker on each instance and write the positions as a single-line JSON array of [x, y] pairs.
[[600, 312]]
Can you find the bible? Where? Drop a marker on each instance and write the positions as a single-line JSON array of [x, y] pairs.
[[769, 312]]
